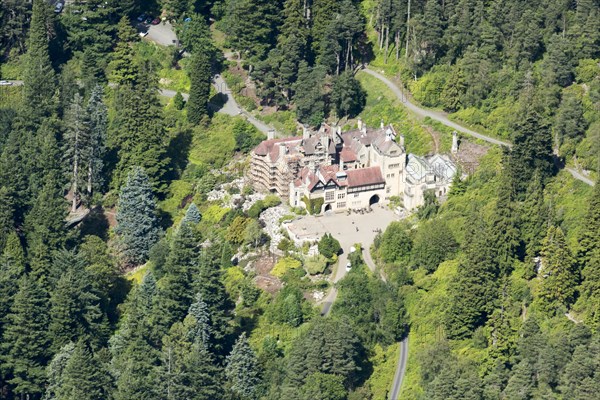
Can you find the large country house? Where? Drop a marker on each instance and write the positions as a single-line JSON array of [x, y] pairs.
[[350, 170]]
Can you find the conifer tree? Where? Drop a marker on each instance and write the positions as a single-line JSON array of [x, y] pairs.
[[25, 343], [192, 214], [199, 323], [124, 68], [39, 76], [310, 106], [200, 87], [97, 119], [242, 370], [474, 289], [136, 217], [559, 273], [209, 286], [55, 370], [84, 377], [77, 144], [532, 218], [12, 268], [137, 131], [348, 96], [75, 311], [175, 294]]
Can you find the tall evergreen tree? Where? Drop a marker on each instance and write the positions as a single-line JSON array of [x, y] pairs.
[[192, 214], [348, 96], [124, 68], [242, 370], [55, 370], [97, 118], [559, 273], [39, 76], [136, 217], [200, 87], [310, 106], [77, 143], [25, 345], [84, 377], [175, 287]]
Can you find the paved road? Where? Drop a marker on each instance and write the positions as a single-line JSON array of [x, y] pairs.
[[400, 370], [442, 117]]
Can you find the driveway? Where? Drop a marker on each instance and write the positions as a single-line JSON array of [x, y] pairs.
[[162, 34], [348, 230]]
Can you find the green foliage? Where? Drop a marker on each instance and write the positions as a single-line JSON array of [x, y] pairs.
[[246, 136], [313, 205], [178, 101], [200, 78], [284, 265], [316, 264], [329, 246], [348, 96], [213, 145], [430, 205], [323, 386], [137, 223], [242, 370], [433, 243], [395, 244]]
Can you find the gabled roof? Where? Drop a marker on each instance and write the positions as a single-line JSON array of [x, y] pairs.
[[364, 176], [271, 147]]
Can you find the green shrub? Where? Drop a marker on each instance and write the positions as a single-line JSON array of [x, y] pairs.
[[315, 265], [214, 214], [329, 246], [284, 265]]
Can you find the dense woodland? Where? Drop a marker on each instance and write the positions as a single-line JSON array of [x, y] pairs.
[[498, 288]]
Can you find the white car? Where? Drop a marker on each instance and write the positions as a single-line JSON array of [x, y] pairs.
[[5, 83], [143, 34], [348, 266], [59, 7]]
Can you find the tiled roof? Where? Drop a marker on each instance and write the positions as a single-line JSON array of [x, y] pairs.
[[364, 176], [271, 147]]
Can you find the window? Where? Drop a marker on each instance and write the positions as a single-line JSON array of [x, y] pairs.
[[394, 166], [341, 204], [341, 196], [329, 196], [388, 190], [356, 195]]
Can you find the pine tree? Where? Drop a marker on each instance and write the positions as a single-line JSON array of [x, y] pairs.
[[97, 118], [175, 294], [77, 143], [12, 268], [242, 370], [39, 76], [25, 344], [532, 218], [137, 131], [136, 217], [348, 96], [124, 68], [310, 106], [75, 311], [200, 78], [192, 214], [559, 273], [473, 290], [55, 370], [84, 377], [200, 331], [209, 286]]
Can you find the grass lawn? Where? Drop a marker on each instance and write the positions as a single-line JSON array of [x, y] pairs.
[[382, 103]]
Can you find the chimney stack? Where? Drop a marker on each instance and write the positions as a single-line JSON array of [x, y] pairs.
[[271, 134], [402, 140], [381, 124], [360, 124], [454, 142], [305, 132]]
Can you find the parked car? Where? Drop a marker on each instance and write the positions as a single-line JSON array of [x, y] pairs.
[[142, 17], [348, 266], [5, 83], [143, 33], [59, 7], [149, 19], [156, 21]]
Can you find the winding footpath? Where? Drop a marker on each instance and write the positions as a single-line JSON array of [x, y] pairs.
[[442, 117]]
